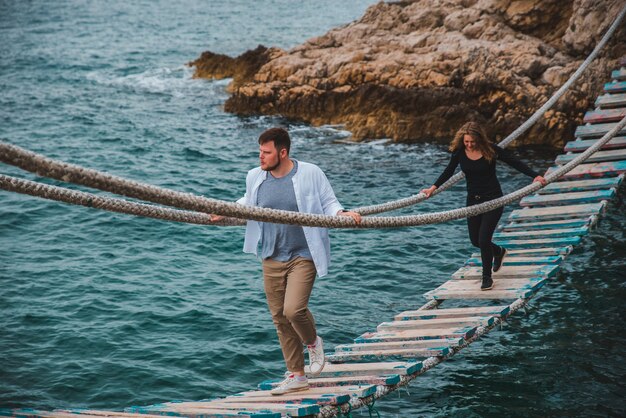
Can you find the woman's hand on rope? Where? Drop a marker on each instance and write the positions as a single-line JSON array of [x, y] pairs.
[[216, 218], [541, 180], [354, 215], [429, 191]]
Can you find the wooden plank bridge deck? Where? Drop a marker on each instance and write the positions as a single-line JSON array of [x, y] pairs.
[[539, 236]]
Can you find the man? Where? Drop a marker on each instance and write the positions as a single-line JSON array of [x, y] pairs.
[[292, 255]]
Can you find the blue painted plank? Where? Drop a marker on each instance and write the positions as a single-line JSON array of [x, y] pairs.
[[619, 74], [582, 185], [615, 87], [508, 272], [384, 380], [532, 252], [520, 261], [570, 198], [581, 145], [597, 130], [541, 225], [596, 157], [440, 313], [412, 335], [359, 369], [611, 100], [543, 242], [543, 233], [557, 212], [386, 355], [398, 345], [606, 169]]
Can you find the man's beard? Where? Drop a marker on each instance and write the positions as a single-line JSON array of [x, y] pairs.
[[274, 167]]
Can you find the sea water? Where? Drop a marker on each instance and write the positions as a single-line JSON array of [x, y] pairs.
[[104, 310]]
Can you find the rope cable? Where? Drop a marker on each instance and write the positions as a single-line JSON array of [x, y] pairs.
[[92, 178]]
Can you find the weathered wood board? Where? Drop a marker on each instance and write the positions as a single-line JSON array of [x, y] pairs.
[[415, 334], [386, 355], [604, 115], [591, 170], [543, 233], [534, 243], [507, 272], [434, 323], [540, 251], [380, 380], [582, 185], [615, 87], [520, 261], [596, 157], [553, 224], [581, 145], [611, 100], [440, 313], [570, 198], [597, 130], [557, 212]]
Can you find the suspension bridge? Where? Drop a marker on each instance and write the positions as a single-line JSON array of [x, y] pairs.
[[539, 235]]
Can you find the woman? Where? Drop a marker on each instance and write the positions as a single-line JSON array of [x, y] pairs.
[[477, 157]]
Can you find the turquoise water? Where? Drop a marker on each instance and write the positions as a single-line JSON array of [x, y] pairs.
[[104, 310]]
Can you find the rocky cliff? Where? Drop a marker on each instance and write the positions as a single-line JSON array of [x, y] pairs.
[[415, 70]]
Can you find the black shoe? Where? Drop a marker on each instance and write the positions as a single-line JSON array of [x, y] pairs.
[[498, 260], [487, 283]]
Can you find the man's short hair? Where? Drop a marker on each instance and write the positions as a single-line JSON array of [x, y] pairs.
[[280, 137]]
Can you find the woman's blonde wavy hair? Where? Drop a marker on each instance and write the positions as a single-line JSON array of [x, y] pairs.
[[477, 132]]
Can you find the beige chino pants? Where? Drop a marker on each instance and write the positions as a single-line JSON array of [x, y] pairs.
[[288, 286]]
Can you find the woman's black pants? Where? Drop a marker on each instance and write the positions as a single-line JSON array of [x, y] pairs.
[[481, 228]]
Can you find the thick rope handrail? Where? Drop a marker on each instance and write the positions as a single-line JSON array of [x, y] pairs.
[[67, 172], [90, 200], [412, 200]]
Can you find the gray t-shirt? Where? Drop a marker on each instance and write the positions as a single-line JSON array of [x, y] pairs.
[[278, 241]]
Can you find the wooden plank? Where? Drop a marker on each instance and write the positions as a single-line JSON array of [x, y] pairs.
[[507, 272], [435, 323], [515, 252], [567, 198], [502, 289], [415, 334], [615, 87], [496, 311], [541, 242], [582, 185], [596, 157], [199, 409], [581, 145], [502, 284], [386, 355], [118, 414], [546, 251], [520, 261], [357, 369], [597, 130], [62, 413], [619, 74], [554, 224], [611, 100], [604, 115], [557, 212], [354, 391], [606, 169], [314, 398], [399, 345], [381, 380], [543, 233]]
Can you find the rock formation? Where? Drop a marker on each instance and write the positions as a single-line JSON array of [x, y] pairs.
[[417, 70]]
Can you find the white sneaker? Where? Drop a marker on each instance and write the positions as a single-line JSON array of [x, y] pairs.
[[316, 357], [290, 384]]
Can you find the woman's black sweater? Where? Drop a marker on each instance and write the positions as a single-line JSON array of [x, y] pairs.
[[480, 174]]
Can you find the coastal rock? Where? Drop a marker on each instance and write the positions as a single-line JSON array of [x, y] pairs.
[[417, 70]]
